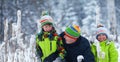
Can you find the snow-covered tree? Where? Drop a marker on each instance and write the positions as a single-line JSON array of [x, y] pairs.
[[112, 18], [17, 49], [92, 12]]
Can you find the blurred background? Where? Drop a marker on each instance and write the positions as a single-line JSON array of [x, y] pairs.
[[85, 13]]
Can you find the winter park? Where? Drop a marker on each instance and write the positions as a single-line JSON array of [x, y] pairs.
[[22, 21]]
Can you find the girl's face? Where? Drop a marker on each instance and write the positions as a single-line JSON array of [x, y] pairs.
[[47, 28], [101, 37]]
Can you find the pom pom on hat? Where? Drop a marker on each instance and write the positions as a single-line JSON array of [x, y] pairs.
[[73, 31], [99, 25], [46, 19]]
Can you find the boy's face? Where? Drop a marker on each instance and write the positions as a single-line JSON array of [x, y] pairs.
[[69, 40], [47, 28], [101, 37]]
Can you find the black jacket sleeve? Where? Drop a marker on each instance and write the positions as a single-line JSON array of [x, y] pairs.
[[51, 57], [88, 55], [39, 51]]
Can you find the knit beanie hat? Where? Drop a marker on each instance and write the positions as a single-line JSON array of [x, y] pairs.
[[73, 31], [46, 19], [102, 30]]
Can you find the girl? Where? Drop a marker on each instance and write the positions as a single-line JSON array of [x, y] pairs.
[[48, 43], [105, 50]]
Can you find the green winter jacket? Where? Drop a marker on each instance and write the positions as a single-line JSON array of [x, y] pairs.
[[46, 45], [108, 52]]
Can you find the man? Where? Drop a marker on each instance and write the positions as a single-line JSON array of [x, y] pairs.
[[76, 46]]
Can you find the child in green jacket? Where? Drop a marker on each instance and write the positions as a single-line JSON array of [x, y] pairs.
[[103, 49], [48, 43]]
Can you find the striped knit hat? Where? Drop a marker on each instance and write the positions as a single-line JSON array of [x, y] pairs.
[[73, 31], [102, 30], [46, 19]]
